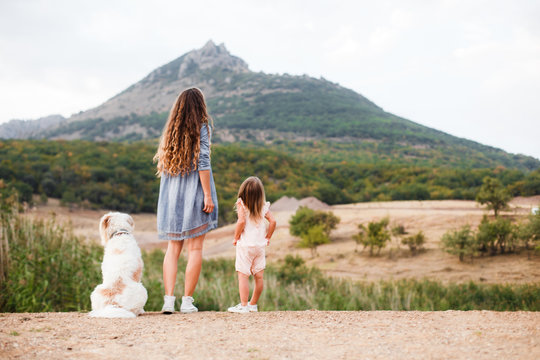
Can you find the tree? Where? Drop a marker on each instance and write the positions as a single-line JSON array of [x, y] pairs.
[[398, 232], [376, 235], [460, 242], [315, 236], [494, 194], [415, 242], [306, 218]]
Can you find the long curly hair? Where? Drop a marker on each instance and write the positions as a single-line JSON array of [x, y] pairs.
[[178, 151]]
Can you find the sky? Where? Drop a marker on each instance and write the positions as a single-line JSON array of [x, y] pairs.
[[469, 68]]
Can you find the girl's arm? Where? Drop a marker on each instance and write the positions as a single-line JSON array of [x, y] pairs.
[[241, 223], [271, 226]]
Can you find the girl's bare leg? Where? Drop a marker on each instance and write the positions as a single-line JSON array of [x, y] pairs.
[[243, 287], [194, 264], [170, 265], [259, 285]]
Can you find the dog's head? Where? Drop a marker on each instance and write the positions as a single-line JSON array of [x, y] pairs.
[[114, 221]]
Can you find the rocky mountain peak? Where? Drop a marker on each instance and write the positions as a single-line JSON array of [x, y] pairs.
[[209, 56]]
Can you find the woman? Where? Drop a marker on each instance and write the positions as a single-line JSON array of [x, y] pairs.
[[187, 205]]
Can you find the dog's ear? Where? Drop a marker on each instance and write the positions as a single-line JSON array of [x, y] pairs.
[[131, 222], [103, 225]]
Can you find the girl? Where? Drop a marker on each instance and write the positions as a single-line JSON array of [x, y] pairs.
[[187, 205], [251, 236]]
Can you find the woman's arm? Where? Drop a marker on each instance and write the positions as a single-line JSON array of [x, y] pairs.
[[271, 226], [241, 223], [204, 175], [203, 167]]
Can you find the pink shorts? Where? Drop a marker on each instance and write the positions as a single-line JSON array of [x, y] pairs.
[[250, 259]]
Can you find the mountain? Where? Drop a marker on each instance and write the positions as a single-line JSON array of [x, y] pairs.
[[313, 119], [23, 129]]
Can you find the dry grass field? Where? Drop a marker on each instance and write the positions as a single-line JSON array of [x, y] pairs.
[[341, 257]]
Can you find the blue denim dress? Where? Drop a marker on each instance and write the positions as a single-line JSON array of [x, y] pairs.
[[180, 212]]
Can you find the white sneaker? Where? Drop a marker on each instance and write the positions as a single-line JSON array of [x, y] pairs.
[[239, 309], [252, 308], [168, 304], [187, 305]]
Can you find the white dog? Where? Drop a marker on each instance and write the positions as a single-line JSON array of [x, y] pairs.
[[122, 294]]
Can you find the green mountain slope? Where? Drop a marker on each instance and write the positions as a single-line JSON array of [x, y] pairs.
[[290, 113]]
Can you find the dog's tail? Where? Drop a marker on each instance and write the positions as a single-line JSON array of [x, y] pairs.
[[111, 311]]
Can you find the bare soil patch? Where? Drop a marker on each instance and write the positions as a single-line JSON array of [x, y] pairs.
[[274, 335], [342, 257]]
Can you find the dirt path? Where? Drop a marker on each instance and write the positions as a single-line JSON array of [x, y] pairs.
[[274, 335]]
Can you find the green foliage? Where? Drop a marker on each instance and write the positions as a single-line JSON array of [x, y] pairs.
[[313, 226], [496, 235], [120, 176], [294, 270], [44, 266], [415, 242], [460, 242], [399, 230], [529, 232], [315, 236], [494, 195], [376, 235], [305, 218]]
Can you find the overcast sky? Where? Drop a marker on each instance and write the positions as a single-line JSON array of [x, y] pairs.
[[469, 68]]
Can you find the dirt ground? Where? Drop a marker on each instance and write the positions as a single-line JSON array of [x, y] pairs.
[[341, 258], [274, 335]]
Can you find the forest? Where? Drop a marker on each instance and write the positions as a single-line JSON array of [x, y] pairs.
[[121, 176]]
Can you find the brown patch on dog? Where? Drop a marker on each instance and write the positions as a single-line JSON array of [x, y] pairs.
[[118, 251], [116, 289], [138, 273]]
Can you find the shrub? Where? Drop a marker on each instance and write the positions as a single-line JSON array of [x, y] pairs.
[[494, 194], [415, 242], [496, 235], [399, 230], [294, 270], [306, 218], [315, 236], [460, 242], [376, 235], [529, 233]]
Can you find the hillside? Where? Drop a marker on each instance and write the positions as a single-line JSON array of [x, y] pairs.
[[313, 119], [121, 176]]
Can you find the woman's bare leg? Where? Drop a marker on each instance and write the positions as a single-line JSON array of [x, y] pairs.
[[170, 265], [194, 264], [259, 285], [243, 287]]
